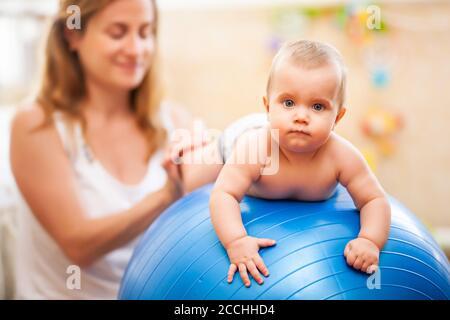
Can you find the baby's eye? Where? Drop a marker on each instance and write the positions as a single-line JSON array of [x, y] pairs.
[[318, 106], [288, 103]]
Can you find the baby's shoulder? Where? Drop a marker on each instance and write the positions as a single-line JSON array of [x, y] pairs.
[[346, 158], [338, 148]]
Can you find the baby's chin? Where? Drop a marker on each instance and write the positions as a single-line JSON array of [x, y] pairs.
[[299, 146]]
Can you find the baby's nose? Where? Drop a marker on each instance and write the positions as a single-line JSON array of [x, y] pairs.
[[301, 116]]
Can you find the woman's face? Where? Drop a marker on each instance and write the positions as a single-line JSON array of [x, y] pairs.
[[117, 48]]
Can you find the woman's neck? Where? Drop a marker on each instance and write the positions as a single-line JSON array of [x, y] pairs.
[[105, 102]]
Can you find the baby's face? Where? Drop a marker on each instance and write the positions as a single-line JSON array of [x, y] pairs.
[[302, 105]]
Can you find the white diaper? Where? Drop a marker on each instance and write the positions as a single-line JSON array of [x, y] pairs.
[[228, 138]]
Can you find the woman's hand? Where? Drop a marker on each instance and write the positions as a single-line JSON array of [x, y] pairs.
[[244, 256], [181, 143], [174, 183], [185, 141], [362, 254]]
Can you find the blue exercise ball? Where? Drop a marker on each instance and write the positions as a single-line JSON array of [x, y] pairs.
[[180, 256]]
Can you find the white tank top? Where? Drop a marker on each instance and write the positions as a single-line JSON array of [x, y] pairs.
[[43, 270]]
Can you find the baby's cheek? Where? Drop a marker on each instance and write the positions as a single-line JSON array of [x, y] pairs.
[[277, 128]]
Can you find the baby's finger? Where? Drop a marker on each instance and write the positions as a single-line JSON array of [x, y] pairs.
[[262, 242], [358, 263], [365, 266], [231, 272], [244, 275], [261, 265], [375, 260], [351, 257], [254, 272], [372, 269], [347, 249]]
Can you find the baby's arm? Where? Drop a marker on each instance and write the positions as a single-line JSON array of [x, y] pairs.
[[370, 199], [233, 182]]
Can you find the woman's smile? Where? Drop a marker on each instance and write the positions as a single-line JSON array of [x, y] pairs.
[[130, 67]]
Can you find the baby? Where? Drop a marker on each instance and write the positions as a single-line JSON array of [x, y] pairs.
[[304, 102]]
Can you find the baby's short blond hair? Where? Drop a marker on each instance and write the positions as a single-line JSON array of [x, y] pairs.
[[311, 54]]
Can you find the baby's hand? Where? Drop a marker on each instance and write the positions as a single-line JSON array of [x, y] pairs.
[[362, 254], [243, 254]]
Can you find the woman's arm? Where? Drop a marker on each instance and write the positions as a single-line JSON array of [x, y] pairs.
[[45, 177]]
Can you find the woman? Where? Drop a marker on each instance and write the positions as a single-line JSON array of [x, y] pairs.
[[87, 155]]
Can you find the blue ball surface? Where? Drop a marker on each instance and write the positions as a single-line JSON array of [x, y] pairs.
[[180, 256]]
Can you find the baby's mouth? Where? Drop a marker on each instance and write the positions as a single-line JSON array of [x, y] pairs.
[[302, 132]]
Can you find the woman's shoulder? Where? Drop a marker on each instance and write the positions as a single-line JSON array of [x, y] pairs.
[[28, 117], [29, 126]]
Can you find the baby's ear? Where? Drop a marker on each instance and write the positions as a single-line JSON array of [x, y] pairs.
[[340, 115], [266, 103]]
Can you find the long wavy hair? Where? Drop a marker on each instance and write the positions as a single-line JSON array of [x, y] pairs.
[[63, 87]]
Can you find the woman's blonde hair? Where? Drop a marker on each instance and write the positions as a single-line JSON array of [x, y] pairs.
[[63, 87]]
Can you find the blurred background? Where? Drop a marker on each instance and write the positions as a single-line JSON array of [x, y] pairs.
[[216, 58]]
